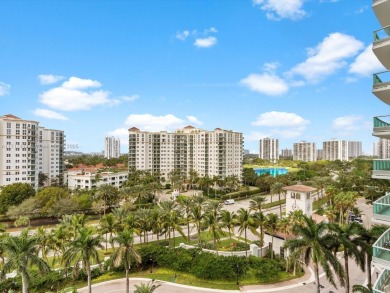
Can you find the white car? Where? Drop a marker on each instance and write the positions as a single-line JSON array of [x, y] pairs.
[[229, 201]]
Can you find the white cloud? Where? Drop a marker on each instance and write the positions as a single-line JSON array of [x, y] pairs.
[[205, 42], [270, 67], [351, 123], [327, 57], [149, 122], [255, 136], [211, 30], [130, 98], [49, 114], [266, 83], [366, 63], [74, 95], [282, 124], [182, 36], [194, 120], [361, 9], [80, 83], [278, 9], [4, 89], [49, 78]]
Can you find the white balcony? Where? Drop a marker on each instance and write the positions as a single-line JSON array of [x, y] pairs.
[[381, 86], [382, 285], [382, 11], [381, 45]]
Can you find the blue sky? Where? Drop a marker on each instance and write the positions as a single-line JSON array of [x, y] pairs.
[[290, 69]]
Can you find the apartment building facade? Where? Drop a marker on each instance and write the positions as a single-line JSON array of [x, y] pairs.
[[209, 153], [269, 149], [80, 179], [112, 147], [26, 149], [304, 151], [381, 167], [342, 150]]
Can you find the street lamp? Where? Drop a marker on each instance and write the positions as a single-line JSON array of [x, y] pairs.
[[151, 268]]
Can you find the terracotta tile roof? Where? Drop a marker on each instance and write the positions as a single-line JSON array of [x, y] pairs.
[[299, 188], [133, 129]]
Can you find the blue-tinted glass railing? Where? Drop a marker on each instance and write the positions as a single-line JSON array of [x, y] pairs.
[[382, 282], [381, 34], [381, 77], [382, 121], [381, 249], [382, 208]]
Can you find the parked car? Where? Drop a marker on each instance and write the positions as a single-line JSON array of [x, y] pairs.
[[229, 201]]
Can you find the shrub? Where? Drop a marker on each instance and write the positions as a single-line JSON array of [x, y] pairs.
[[239, 194], [241, 246]]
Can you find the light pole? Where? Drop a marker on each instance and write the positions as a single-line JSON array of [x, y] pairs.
[[151, 268]]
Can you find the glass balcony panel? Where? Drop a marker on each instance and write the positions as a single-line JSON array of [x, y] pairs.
[[382, 207], [382, 285], [381, 250], [381, 34], [382, 126]]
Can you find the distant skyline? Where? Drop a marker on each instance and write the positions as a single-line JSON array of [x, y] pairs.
[[288, 69]]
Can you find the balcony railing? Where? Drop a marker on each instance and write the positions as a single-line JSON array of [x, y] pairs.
[[381, 79], [382, 208], [381, 250], [382, 284], [381, 34]]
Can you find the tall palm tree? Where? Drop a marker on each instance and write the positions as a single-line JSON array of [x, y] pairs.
[[23, 252], [125, 254], [185, 204], [214, 227], [256, 203], [245, 222], [197, 216], [84, 248], [366, 240], [278, 188], [214, 208], [271, 225], [44, 242], [104, 192], [229, 220], [108, 225], [172, 223], [346, 237], [313, 244]]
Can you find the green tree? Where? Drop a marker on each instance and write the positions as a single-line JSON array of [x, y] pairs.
[[125, 254], [109, 195], [22, 253], [228, 220], [185, 205], [14, 194], [256, 203], [313, 245], [245, 222], [108, 225], [84, 248], [271, 225], [278, 189]]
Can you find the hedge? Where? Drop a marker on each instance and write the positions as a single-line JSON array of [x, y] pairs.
[[241, 193]]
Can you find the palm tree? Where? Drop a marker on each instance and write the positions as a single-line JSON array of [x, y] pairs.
[[104, 192], [312, 242], [214, 227], [256, 203], [185, 204], [278, 188], [125, 254], [245, 221], [271, 225], [197, 216], [84, 248], [44, 242], [229, 220], [23, 252], [214, 208], [260, 222], [360, 289], [366, 240], [172, 223], [146, 288], [346, 237], [108, 225]]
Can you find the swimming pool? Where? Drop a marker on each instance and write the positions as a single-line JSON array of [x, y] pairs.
[[273, 171]]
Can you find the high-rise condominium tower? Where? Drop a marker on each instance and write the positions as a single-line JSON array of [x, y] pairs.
[[305, 151], [112, 147], [209, 153], [269, 149]]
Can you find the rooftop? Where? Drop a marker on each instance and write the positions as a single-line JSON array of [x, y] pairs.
[[299, 188]]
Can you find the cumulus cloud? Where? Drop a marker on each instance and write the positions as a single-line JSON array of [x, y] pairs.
[[366, 63], [266, 83], [351, 123], [49, 114], [211, 30], [329, 56], [75, 94], [4, 89], [130, 98], [205, 42], [183, 35], [194, 120], [279, 9], [283, 124], [49, 78], [256, 135]]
